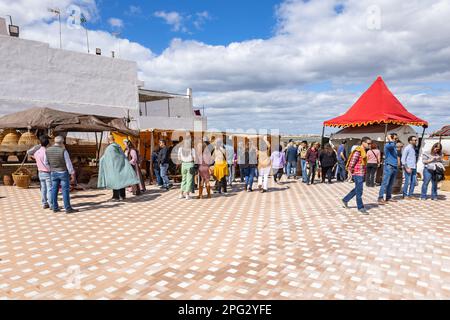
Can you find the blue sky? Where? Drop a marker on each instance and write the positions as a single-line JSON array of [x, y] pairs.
[[286, 64], [228, 20]]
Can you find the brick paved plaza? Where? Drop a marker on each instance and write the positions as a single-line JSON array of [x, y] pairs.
[[295, 242]]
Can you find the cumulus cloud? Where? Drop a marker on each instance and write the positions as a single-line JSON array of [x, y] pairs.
[[173, 18], [115, 23], [200, 19], [346, 43], [26, 12], [297, 111]]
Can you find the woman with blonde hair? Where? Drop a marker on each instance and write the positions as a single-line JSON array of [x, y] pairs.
[[433, 169], [186, 155], [264, 165], [204, 162]]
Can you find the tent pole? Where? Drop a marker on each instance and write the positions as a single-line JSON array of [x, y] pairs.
[[420, 145], [323, 135], [96, 148], [99, 147], [385, 132], [151, 157]]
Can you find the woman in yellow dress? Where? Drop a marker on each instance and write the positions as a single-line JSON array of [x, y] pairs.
[[220, 166]]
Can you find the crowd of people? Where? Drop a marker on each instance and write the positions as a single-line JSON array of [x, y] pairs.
[[201, 162]]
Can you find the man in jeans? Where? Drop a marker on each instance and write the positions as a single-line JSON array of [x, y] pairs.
[[231, 162], [342, 160], [61, 171], [302, 153], [163, 162], [156, 168], [291, 159], [409, 167], [390, 168], [357, 168], [38, 153]]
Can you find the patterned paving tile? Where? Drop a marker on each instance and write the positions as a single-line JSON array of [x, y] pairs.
[[294, 242]]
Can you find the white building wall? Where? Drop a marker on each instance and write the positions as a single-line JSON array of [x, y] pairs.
[[175, 113], [34, 75]]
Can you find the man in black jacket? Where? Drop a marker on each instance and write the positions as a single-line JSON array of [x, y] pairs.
[[163, 162]]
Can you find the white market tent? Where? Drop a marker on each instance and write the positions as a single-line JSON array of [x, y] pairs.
[[375, 132]]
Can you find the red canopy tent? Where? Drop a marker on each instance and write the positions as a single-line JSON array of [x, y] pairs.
[[443, 132], [376, 106]]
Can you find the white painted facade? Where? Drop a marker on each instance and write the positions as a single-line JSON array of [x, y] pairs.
[[34, 75]]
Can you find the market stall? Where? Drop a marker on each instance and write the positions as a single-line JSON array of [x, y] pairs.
[[443, 137], [149, 143], [377, 109], [21, 129]]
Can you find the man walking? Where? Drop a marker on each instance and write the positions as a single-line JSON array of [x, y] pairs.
[[409, 167], [357, 168], [163, 162], [291, 159], [342, 160], [231, 162], [390, 168], [61, 169]]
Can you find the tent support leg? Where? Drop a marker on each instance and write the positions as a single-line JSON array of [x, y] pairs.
[[385, 132], [151, 157], [323, 136], [420, 144]]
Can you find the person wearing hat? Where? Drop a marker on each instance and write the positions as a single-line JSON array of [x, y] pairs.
[[390, 168], [133, 157], [115, 171], [61, 172]]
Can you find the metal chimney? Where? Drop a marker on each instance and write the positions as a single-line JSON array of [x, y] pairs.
[[3, 30], [189, 94]]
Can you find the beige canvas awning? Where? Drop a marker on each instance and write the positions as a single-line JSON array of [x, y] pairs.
[[60, 121]]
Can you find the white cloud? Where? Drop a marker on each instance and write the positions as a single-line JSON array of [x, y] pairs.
[[263, 79], [134, 10], [174, 19], [27, 12], [115, 23], [300, 111], [200, 19]]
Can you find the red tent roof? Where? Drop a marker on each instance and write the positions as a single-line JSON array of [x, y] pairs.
[[444, 131], [376, 105]]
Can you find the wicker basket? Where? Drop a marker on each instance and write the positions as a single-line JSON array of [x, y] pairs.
[[22, 178], [4, 132], [11, 139], [28, 139]]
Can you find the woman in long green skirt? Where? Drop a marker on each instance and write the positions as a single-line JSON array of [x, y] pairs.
[[186, 155]]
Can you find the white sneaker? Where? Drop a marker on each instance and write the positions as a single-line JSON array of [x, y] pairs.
[[181, 196], [188, 197]]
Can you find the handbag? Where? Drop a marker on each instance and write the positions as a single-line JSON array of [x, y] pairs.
[[439, 174]]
